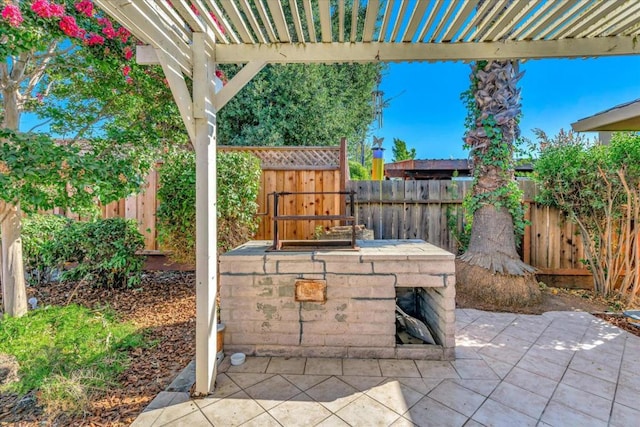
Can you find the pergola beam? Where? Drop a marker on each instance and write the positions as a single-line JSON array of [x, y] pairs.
[[238, 81], [147, 24], [391, 52], [179, 90]]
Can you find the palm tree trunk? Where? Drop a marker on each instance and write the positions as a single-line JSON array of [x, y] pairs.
[[491, 268]]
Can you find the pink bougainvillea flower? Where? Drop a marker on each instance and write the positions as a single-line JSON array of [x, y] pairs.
[[85, 7], [94, 39], [41, 8], [56, 10], [128, 53], [215, 19], [44, 9], [220, 74], [109, 32], [129, 80], [124, 34], [195, 11], [126, 70], [11, 13], [69, 26]]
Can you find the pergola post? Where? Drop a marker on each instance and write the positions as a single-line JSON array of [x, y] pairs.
[[206, 225]]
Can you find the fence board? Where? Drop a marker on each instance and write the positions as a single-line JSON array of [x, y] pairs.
[[424, 208]]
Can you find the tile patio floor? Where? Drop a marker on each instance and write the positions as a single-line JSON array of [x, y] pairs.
[[558, 369]]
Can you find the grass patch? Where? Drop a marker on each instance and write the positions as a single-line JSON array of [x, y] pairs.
[[67, 353]]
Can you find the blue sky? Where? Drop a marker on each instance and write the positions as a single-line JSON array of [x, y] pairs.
[[426, 112]]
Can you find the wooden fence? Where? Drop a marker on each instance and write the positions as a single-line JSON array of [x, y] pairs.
[[141, 207], [430, 210], [299, 170], [393, 209], [290, 169]]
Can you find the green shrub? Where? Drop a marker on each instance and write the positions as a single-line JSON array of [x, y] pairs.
[[104, 252], [39, 232], [238, 185], [598, 188], [357, 172]]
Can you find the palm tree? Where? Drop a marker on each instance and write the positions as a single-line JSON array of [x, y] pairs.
[[491, 269]]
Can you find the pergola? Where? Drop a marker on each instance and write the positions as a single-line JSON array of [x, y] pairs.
[[189, 37]]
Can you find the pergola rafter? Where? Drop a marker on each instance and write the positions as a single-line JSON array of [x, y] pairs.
[[188, 37]]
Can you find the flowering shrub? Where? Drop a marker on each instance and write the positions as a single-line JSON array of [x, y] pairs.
[[12, 15], [30, 26]]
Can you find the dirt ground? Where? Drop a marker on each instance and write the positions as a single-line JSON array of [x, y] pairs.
[[553, 299], [164, 307]]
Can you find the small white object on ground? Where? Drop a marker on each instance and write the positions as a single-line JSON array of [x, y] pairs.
[[237, 359]]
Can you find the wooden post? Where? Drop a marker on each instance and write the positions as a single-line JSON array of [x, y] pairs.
[[344, 173], [206, 240]]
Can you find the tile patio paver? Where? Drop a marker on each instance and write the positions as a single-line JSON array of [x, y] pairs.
[[254, 365], [334, 394], [323, 366], [367, 412], [558, 369], [395, 395], [456, 397], [593, 385], [232, 411], [587, 403], [286, 365], [623, 416], [366, 367], [498, 415], [436, 369], [300, 407], [557, 414], [362, 383], [273, 391], [512, 396], [399, 368], [430, 413], [474, 370]]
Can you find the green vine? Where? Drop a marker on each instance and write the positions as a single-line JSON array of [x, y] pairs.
[[499, 154]]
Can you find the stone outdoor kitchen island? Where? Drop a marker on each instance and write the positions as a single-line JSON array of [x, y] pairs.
[[337, 303]]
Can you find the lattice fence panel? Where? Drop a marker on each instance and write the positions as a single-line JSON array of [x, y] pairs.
[[293, 158]]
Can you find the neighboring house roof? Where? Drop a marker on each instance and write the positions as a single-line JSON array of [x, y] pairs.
[[433, 169], [619, 118]]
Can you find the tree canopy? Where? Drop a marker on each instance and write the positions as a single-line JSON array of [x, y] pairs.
[[401, 152], [301, 104]]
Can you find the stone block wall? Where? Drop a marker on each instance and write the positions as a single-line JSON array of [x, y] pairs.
[[357, 320]]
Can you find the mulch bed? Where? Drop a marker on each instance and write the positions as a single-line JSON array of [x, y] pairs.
[[620, 321], [164, 307]]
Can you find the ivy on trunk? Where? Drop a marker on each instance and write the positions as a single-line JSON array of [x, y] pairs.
[[491, 268]]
